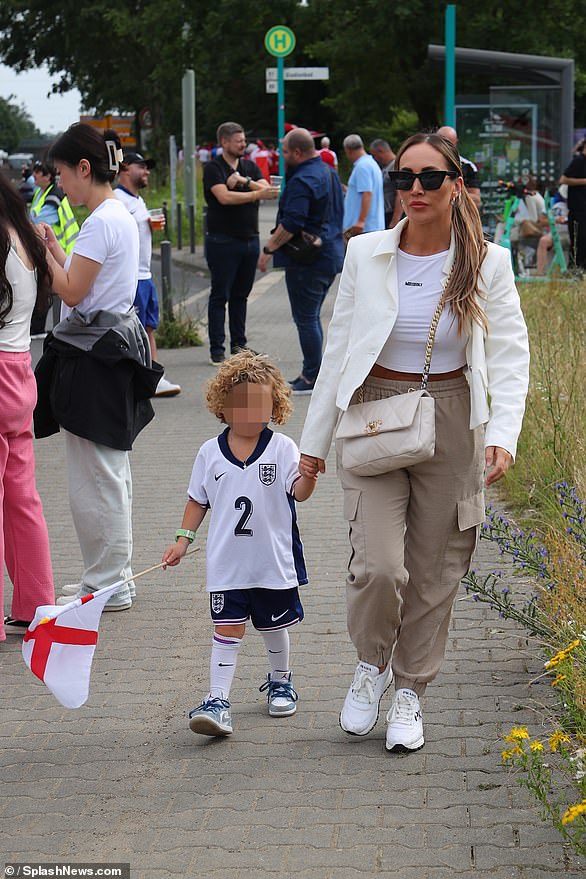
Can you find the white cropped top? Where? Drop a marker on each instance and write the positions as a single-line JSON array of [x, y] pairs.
[[420, 287], [16, 335]]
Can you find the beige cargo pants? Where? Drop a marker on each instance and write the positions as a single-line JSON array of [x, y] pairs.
[[412, 535]]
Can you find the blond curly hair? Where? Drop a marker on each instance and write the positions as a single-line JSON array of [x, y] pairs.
[[256, 369]]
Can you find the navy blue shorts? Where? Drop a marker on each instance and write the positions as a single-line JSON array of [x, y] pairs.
[[267, 608], [147, 304]]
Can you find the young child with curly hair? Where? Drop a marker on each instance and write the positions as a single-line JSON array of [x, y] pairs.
[[248, 477]]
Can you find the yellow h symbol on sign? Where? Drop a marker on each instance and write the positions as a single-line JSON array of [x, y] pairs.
[[280, 41]]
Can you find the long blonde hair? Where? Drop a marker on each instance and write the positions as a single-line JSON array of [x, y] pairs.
[[470, 246]]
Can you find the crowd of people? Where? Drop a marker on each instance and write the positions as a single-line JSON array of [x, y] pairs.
[[424, 303]]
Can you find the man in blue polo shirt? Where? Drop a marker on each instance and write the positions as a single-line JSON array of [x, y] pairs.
[[364, 206], [312, 200]]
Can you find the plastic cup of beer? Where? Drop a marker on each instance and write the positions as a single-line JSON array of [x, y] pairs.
[[276, 180], [157, 219]]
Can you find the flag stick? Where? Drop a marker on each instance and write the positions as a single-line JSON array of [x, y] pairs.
[[154, 567], [135, 577]]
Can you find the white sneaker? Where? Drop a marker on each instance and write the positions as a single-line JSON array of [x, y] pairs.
[[361, 706], [165, 388], [405, 723], [120, 600], [73, 588]]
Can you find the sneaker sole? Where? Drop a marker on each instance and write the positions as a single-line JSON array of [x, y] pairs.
[[370, 728], [171, 393], [301, 393], [109, 608], [207, 727], [406, 749], [286, 713]]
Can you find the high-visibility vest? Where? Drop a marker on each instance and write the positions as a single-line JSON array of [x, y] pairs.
[[66, 229]]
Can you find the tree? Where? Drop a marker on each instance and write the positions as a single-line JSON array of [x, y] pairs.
[[126, 55], [15, 124]]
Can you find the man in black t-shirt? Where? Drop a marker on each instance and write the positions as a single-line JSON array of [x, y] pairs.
[[233, 187], [575, 178]]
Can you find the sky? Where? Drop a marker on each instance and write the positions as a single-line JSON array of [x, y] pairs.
[[50, 114]]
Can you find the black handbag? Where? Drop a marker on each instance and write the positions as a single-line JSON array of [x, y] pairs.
[[304, 248]]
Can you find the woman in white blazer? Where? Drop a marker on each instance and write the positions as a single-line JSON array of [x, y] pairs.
[[413, 530]]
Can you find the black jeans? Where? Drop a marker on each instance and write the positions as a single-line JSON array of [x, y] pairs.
[[232, 263]]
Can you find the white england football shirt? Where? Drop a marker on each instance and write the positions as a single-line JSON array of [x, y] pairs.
[[253, 539]]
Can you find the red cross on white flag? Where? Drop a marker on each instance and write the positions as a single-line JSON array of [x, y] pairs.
[[59, 645]]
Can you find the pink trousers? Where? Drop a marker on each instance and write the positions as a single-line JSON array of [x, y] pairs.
[[24, 541]]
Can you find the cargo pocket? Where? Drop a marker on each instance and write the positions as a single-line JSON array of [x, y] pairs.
[[471, 513], [351, 499], [357, 560]]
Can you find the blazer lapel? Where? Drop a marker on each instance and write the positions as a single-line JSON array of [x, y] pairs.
[[385, 256]]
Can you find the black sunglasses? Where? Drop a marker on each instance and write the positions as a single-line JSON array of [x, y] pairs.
[[429, 179]]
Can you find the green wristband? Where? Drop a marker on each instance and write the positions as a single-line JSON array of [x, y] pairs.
[[185, 532]]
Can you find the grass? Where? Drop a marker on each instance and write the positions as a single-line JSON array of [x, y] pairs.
[[547, 548]]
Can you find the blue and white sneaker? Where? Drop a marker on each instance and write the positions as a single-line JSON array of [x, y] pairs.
[[212, 718], [281, 696]]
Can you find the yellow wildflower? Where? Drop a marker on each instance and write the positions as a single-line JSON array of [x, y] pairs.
[[517, 734], [556, 739], [562, 654], [559, 678], [536, 746], [573, 812], [506, 755]]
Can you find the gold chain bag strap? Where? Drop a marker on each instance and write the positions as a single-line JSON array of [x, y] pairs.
[[398, 431]]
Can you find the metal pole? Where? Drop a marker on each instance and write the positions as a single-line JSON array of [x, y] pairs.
[[166, 281], [192, 228], [450, 83], [173, 177], [179, 209], [281, 112], [188, 95]]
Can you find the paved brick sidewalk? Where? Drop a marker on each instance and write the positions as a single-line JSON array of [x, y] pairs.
[[124, 780]]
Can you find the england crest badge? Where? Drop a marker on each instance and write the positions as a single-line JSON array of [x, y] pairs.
[[267, 473], [217, 602]]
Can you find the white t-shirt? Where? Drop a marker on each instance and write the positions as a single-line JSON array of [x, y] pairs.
[[420, 287], [253, 539], [16, 335], [109, 236], [136, 206]]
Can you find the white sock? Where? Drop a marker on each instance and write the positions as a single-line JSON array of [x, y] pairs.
[[223, 664], [277, 644]]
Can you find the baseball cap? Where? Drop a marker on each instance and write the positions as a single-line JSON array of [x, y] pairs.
[[137, 159]]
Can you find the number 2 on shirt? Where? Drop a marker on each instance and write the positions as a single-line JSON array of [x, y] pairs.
[[243, 503]]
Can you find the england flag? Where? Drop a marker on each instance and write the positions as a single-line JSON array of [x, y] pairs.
[[59, 645]]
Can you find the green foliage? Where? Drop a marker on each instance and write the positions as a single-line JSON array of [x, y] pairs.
[[15, 124], [126, 56], [553, 771], [545, 588], [552, 445], [400, 125], [179, 332]]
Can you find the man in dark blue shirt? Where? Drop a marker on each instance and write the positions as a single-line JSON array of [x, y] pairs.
[[313, 201]]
